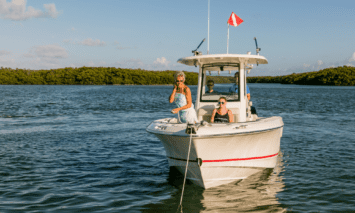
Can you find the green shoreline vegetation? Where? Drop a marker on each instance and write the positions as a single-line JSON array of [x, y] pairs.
[[339, 76]]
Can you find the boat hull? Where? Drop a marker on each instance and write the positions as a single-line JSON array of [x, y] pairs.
[[218, 159]]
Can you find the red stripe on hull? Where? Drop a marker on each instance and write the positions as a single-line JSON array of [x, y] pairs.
[[239, 159]]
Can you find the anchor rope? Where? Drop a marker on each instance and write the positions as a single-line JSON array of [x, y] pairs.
[[187, 165]]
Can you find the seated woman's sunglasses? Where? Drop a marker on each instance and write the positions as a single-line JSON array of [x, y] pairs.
[[177, 81], [221, 102]]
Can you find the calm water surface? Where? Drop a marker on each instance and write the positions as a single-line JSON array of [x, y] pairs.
[[85, 149]]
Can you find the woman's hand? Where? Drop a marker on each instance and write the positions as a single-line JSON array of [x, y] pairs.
[[172, 96], [176, 110]]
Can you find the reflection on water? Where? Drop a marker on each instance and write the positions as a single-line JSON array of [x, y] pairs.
[[257, 193]]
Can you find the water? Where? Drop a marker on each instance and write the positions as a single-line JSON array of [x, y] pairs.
[[85, 149]]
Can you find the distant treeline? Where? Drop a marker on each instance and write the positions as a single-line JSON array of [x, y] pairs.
[[91, 76], [340, 76]]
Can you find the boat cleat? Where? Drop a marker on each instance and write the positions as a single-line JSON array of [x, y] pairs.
[[191, 129], [241, 127]]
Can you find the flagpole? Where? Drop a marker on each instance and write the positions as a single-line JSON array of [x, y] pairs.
[[208, 36], [228, 39]]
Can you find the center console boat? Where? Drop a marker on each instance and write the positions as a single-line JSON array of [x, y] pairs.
[[221, 153]]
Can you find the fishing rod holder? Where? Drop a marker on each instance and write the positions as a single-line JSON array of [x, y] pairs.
[[256, 44], [195, 52]]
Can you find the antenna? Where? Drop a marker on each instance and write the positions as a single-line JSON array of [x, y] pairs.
[[195, 52], [257, 51], [256, 44]]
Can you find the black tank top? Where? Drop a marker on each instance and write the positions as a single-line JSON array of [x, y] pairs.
[[221, 118]]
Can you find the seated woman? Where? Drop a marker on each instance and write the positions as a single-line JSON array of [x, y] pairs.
[[222, 114], [182, 96]]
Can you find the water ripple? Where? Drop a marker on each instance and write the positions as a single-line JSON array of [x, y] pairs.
[[85, 149]]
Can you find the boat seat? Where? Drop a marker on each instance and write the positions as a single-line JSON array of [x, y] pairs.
[[205, 114]]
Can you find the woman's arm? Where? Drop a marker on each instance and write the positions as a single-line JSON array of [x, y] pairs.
[[213, 114], [172, 96], [188, 99], [231, 117]]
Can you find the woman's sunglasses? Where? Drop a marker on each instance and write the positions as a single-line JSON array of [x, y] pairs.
[[221, 102], [178, 81]]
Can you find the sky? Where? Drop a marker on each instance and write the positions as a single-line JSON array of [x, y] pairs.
[[295, 36]]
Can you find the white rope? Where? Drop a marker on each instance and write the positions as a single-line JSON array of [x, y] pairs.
[[187, 164]]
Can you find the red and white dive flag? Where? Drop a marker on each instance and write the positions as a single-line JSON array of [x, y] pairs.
[[234, 20]]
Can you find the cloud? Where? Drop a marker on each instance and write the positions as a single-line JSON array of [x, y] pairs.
[[16, 10], [352, 58], [8, 63], [102, 63], [50, 51], [91, 42], [319, 62], [159, 64], [38, 57], [29, 55], [51, 11], [90, 64], [306, 65], [45, 56], [161, 61], [4, 52]]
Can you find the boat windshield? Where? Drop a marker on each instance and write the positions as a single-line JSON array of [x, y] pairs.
[[214, 87]]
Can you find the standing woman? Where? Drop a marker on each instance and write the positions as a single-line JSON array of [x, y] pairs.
[[182, 97], [222, 114]]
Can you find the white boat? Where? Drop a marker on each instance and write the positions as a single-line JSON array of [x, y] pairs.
[[221, 153]]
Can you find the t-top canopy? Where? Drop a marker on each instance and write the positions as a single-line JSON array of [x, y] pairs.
[[222, 59]]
